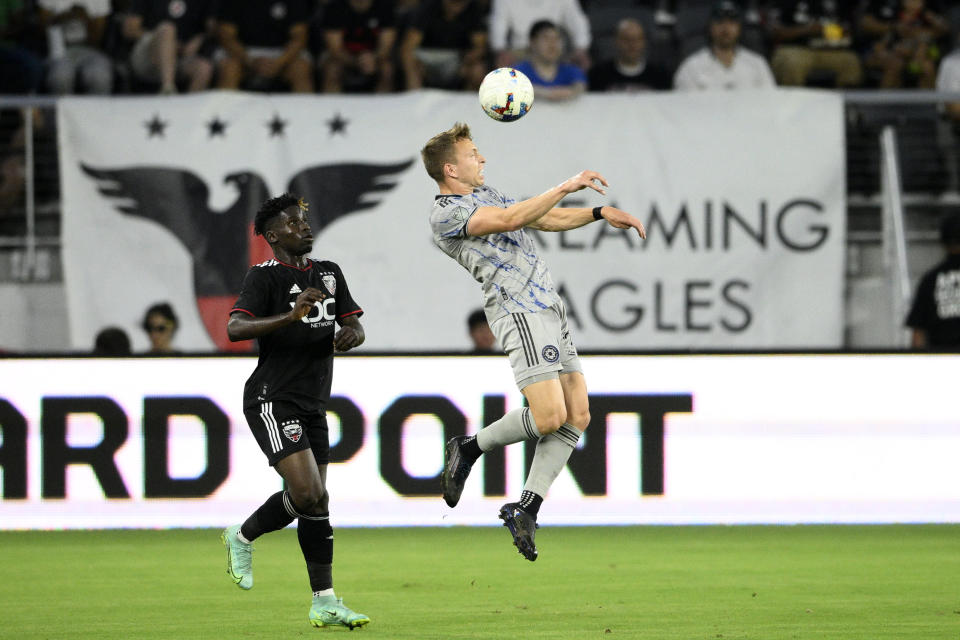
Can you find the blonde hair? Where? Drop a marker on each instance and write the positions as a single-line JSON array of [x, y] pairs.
[[439, 149]]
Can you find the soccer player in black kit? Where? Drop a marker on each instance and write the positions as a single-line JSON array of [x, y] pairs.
[[290, 304]]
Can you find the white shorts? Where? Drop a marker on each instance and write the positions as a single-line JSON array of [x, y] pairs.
[[538, 344]]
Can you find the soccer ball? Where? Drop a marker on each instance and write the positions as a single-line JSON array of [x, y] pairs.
[[506, 94]]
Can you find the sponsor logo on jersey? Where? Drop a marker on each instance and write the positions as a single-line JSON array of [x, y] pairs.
[[330, 283], [295, 289], [550, 353], [322, 314], [292, 430]]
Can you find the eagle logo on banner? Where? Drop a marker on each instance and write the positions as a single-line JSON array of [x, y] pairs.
[[220, 243]]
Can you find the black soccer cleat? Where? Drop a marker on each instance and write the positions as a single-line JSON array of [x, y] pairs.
[[523, 527], [455, 471]]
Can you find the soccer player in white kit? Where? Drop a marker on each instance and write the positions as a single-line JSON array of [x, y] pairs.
[[483, 230]]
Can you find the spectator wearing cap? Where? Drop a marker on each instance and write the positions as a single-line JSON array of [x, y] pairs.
[[630, 70], [723, 63], [935, 314], [511, 22], [814, 43], [551, 78]]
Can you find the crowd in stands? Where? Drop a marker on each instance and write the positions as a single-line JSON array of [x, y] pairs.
[[566, 46]]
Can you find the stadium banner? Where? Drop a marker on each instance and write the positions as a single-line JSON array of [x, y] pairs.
[[728, 439], [742, 194]]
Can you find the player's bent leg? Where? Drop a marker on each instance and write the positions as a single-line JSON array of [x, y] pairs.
[[547, 405], [304, 482], [575, 399], [239, 557], [329, 611]]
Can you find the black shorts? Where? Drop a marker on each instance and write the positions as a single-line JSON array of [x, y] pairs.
[[281, 429]]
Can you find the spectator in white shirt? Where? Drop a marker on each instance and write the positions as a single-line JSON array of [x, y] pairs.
[[948, 79], [510, 22], [724, 64]]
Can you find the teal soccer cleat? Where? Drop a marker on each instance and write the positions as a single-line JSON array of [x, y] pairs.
[[239, 558], [331, 612]]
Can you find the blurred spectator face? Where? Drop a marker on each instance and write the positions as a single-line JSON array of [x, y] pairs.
[[631, 42], [482, 336], [913, 7], [160, 331], [361, 5], [547, 46], [725, 33]]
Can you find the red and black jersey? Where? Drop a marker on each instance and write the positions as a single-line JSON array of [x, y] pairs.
[[296, 361]]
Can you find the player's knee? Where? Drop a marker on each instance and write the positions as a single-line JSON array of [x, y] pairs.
[[550, 420], [310, 500], [580, 418]]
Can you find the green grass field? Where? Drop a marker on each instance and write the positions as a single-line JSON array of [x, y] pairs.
[[829, 582]]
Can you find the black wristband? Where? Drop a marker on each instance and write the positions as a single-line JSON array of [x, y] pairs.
[[596, 213]]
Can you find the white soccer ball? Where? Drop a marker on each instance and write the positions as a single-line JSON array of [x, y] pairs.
[[506, 94]]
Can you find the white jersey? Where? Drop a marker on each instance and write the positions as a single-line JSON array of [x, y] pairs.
[[703, 71], [513, 276]]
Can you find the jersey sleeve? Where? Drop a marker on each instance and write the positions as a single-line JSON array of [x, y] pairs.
[[450, 222], [253, 300], [346, 306]]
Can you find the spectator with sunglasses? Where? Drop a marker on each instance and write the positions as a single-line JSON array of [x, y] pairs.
[[160, 323]]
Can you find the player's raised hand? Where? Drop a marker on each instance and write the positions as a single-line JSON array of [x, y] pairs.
[[305, 302], [584, 180], [622, 220]]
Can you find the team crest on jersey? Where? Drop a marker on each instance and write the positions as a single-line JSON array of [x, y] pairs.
[[330, 283], [550, 353], [292, 430]]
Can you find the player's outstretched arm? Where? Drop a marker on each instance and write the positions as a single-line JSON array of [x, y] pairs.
[[244, 327], [486, 220], [350, 335], [565, 218]]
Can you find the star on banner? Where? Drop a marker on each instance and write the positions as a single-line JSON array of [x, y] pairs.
[[338, 124], [277, 126], [155, 126], [217, 127]]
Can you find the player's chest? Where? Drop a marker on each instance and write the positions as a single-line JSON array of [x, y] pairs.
[[323, 314]]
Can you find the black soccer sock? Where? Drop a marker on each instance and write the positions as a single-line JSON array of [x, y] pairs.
[[530, 502], [316, 542], [274, 514], [471, 450]]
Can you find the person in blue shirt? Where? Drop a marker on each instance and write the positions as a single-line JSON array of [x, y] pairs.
[[551, 78]]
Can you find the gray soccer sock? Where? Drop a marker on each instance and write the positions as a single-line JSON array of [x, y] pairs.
[[551, 455], [515, 426]]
